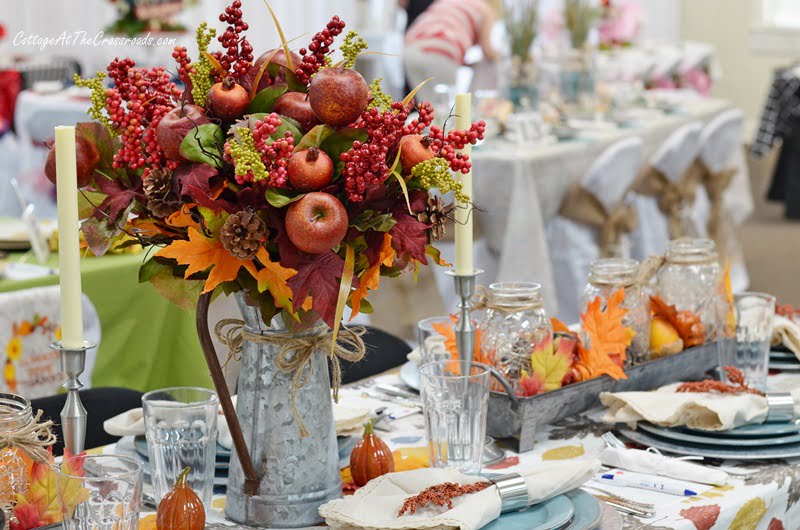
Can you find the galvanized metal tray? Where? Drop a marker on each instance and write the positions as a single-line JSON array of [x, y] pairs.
[[518, 418]]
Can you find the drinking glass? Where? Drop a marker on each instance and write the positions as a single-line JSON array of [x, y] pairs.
[[750, 353], [455, 396], [108, 495], [432, 343], [181, 427]]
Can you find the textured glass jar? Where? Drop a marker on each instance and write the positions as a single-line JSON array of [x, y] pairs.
[[608, 275], [15, 414], [690, 280], [515, 322]]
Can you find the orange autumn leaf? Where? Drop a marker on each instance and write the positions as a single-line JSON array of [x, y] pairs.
[[147, 228], [200, 254], [608, 336], [371, 277], [591, 364], [183, 218], [273, 278], [558, 326], [688, 324], [449, 333]]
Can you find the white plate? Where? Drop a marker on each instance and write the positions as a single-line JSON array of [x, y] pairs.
[[409, 374]]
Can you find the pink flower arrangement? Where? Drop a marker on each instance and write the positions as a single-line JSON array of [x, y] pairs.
[[698, 80], [621, 23]]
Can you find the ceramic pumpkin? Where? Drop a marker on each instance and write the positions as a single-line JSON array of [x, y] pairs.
[[181, 508], [371, 457]]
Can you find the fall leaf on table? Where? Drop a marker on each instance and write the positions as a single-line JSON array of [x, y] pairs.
[[702, 517], [749, 515], [688, 325], [608, 338], [201, 253], [370, 278], [775, 524]]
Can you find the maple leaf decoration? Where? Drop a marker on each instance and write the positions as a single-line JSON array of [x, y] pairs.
[[550, 365], [319, 276], [370, 278], [688, 324], [449, 333], [702, 517], [608, 337]]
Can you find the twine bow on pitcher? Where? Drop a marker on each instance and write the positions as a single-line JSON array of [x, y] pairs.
[[33, 439], [582, 206], [295, 354]]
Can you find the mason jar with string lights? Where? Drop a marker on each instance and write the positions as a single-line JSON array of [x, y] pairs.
[[15, 416]]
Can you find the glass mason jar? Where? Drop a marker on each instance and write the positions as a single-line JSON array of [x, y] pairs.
[[514, 324], [15, 414], [690, 278], [608, 275]]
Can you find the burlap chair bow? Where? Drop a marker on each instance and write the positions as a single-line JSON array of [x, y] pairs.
[[673, 197], [715, 183], [582, 206]]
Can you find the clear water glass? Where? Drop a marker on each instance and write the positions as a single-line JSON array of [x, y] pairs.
[[432, 346], [455, 397], [107, 496], [181, 427], [750, 353]]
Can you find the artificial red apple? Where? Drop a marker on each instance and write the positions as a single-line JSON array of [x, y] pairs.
[[86, 157], [338, 96], [316, 223], [295, 105], [310, 169], [174, 127], [227, 100], [414, 149]]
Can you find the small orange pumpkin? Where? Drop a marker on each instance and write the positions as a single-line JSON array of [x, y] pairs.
[[181, 508], [371, 457]]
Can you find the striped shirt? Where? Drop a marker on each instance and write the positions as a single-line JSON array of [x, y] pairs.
[[448, 28]]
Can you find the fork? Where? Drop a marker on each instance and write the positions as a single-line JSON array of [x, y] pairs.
[[612, 441], [641, 509]]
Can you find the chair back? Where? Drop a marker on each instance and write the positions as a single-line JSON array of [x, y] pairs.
[[678, 151], [29, 323], [613, 172], [721, 139]]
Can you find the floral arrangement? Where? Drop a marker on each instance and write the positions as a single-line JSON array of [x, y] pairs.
[[579, 18], [285, 176], [620, 23], [141, 16]]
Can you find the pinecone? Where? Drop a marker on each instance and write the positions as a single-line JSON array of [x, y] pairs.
[[436, 214], [162, 201], [243, 234]]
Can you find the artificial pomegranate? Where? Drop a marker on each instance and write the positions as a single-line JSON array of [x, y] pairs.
[[175, 125], [181, 508], [371, 457], [279, 58], [227, 100], [86, 157], [316, 223], [295, 105], [338, 96], [414, 149], [310, 169]]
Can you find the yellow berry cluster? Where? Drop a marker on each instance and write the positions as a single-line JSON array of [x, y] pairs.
[[353, 45], [380, 99], [200, 73], [246, 159], [98, 98], [436, 173]]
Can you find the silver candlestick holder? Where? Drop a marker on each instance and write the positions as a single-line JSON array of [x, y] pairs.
[[73, 415], [465, 330]]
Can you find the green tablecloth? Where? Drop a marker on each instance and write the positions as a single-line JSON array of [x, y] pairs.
[[147, 342]]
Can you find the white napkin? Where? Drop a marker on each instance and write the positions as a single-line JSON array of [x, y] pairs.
[[375, 506], [131, 423], [698, 410], [787, 332], [653, 463]]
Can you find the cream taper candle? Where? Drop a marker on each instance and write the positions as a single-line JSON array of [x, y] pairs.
[[69, 263], [463, 215]]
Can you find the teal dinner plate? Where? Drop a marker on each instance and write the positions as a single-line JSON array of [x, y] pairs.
[[758, 430], [548, 515], [588, 511], [714, 437], [409, 374]]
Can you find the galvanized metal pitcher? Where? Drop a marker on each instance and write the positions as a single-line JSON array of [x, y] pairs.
[[295, 474]]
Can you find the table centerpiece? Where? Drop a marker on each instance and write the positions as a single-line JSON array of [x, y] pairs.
[[289, 180]]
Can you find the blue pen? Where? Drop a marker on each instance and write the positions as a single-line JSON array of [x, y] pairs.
[[623, 480]]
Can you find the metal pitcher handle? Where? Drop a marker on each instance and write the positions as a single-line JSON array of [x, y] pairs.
[[507, 386], [251, 480]]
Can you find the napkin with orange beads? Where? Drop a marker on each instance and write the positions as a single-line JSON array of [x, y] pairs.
[[711, 411], [376, 505]]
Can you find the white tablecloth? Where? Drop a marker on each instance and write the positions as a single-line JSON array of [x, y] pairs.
[[519, 188]]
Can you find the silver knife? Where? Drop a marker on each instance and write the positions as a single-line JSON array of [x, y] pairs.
[[397, 391]]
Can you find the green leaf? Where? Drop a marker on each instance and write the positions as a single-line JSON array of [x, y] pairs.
[[287, 124], [279, 71], [202, 145], [365, 307], [280, 197], [183, 293], [100, 234], [265, 99], [88, 201], [340, 142], [150, 268], [369, 220], [314, 137]]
